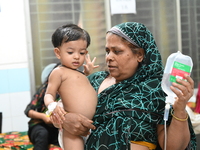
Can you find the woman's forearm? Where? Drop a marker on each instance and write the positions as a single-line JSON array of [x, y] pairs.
[[178, 134], [178, 131], [36, 115]]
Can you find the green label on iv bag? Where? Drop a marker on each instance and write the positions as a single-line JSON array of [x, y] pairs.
[[182, 67], [179, 70]]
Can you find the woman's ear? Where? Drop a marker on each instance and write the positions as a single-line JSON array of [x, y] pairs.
[[57, 52], [140, 54]]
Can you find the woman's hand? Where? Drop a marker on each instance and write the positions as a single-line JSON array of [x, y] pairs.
[[89, 66], [77, 124], [184, 92], [73, 123]]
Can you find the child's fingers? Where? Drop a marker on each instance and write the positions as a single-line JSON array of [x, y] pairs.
[[94, 59], [54, 121], [87, 58], [61, 114], [96, 66]]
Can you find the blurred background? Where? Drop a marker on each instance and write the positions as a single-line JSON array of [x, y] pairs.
[[25, 40]]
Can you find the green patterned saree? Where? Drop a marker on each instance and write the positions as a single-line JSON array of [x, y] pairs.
[[130, 110]]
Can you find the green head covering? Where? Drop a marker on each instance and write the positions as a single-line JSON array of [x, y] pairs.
[[140, 36]]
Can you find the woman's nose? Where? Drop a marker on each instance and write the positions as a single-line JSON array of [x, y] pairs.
[[109, 56]]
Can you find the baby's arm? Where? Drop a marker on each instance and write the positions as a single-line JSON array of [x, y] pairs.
[[89, 66], [54, 82]]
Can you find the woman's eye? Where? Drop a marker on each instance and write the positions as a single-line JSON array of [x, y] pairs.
[[117, 52], [107, 51]]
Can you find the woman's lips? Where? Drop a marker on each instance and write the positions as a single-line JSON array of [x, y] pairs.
[[111, 67]]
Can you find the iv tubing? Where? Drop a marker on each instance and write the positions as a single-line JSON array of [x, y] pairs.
[[165, 144], [166, 114]]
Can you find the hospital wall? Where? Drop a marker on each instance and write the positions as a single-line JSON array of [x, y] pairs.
[[14, 65]]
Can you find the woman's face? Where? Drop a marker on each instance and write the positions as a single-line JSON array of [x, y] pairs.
[[121, 61]]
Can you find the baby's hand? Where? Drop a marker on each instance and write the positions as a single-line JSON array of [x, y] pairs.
[[89, 66], [57, 116]]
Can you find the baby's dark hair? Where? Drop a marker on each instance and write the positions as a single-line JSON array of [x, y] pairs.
[[67, 33]]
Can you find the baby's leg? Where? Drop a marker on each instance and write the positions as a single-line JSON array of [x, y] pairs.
[[72, 142]]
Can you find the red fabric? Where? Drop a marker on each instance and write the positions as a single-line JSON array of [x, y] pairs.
[[18, 141], [197, 108]]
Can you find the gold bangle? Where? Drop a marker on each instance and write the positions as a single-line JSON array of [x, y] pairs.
[[179, 119]]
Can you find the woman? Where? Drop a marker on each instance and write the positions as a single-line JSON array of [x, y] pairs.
[[129, 113]]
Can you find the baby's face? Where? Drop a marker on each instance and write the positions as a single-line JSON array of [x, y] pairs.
[[72, 54]]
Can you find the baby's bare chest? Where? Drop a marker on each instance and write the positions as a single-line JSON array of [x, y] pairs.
[[74, 81]]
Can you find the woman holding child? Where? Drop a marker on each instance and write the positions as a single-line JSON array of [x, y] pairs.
[[129, 113]]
